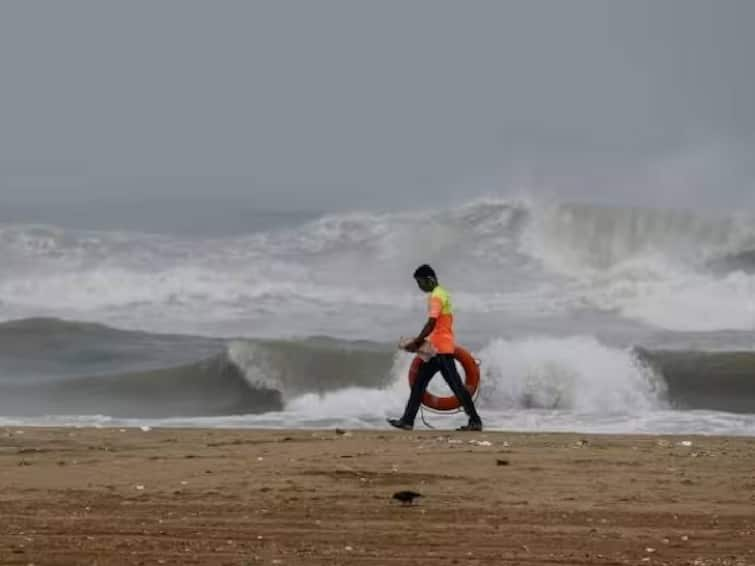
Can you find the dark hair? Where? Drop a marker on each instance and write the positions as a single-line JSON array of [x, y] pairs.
[[425, 271]]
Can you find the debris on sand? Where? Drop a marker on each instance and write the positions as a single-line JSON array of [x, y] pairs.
[[406, 497]]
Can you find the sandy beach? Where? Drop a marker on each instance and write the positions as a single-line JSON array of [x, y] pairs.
[[237, 497]]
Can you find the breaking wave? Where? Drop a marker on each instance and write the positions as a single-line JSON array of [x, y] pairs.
[[96, 370], [512, 260]]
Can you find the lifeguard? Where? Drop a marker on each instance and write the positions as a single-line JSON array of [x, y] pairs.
[[436, 345]]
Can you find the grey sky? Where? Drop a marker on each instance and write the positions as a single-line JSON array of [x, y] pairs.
[[357, 104]]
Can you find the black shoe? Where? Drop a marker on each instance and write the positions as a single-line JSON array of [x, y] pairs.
[[471, 427], [398, 423]]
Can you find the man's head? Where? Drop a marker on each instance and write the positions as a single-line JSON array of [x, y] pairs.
[[426, 278]]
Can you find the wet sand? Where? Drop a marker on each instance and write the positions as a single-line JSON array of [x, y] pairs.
[[244, 497]]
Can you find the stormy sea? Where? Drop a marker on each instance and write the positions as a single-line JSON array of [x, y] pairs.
[[583, 317]]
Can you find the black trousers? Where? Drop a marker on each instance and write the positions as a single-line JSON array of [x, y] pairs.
[[445, 364]]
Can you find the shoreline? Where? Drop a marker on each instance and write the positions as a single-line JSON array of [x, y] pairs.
[[71, 495], [229, 424]]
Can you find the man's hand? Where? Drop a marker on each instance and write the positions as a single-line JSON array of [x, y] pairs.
[[416, 344], [411, 347]]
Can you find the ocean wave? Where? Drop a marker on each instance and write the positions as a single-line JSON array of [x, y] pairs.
[[669, 269], [91, 369], [207, 388], [719, 381], [50, 366]]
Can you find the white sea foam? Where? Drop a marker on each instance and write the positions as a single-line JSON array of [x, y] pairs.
[[505, 261], [571, 376]]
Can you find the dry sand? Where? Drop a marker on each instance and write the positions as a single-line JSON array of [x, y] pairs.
[[127, 496]]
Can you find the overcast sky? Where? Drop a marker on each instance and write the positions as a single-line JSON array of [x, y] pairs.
[[353, 104]]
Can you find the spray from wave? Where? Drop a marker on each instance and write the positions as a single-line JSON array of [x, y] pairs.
[[576, 373], [672, 269], [514, 261]]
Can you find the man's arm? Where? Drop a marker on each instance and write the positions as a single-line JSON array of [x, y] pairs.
[[419, 340]]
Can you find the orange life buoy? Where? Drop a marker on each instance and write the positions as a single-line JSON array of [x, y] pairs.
[[471, 381]]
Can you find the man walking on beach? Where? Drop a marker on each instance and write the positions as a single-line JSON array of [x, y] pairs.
[[436, 343]]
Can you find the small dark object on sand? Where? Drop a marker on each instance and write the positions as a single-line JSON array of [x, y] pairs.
[[406, 497], [501, 462], [340, 431]]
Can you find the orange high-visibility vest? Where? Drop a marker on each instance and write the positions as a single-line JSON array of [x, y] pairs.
[[441, 309]]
